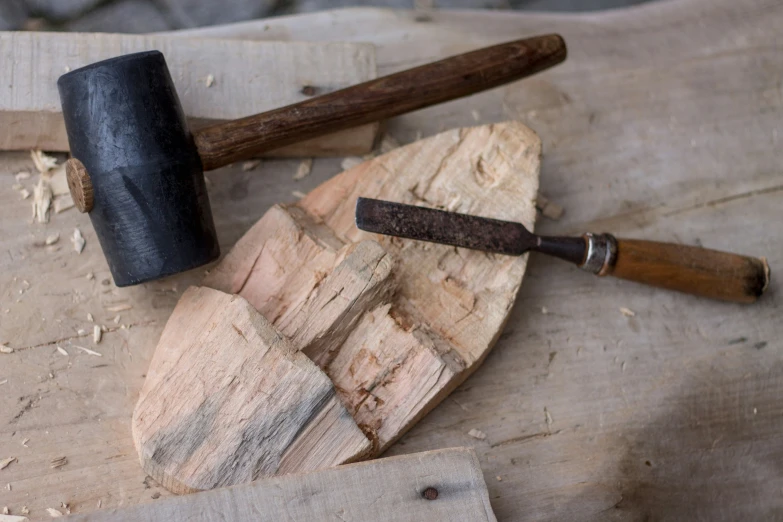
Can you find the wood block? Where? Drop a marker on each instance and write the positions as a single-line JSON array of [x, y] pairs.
[[228, 400], [395, 354], [386, 490], [249, 78]]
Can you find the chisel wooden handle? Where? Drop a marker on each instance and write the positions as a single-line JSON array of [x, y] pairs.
[[406, 91], [693, 270]]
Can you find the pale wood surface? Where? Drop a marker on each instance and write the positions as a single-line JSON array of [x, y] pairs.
[[228, 400], [664, 124], [384, 490], [244, 78], [394, 349]]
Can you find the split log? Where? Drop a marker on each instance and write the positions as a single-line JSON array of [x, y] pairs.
[[246, 78], [395, 324], [228, 400]]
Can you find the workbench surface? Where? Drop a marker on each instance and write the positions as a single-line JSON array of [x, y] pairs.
[[665, 123]]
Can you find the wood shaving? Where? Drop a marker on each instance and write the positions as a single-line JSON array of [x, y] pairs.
[[6, 349], [96, 334], [63, 203], [24, 193], [21, 176], [350, 162], [13, 518], [54, 513], [304, 169], [62, 350], [88, 351], [119, 308], [54, 238], [6, 462], [250, 165], [78, 240], [548, 208], [42, 161], [627, 312], [475, 114], [298, 194], [210, 80], [388, 143], [477, 434], [59, 181], [59, 462]]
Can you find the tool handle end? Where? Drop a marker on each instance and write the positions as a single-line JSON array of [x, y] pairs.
[[693, 270]]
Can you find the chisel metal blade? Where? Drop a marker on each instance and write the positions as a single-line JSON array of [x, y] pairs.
[[438, 226]]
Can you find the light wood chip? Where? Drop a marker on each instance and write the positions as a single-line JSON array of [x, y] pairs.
[[350, 162], [6, 462], [42, 200], [477, 434], [63, 203], [78, 240], [54, 513], [210, 80], [627, 312], [304, 169], [250, 165], [13, 518], [88, 351], [42, 161], [388, 143], [298, 194], [54, 238], [24, 193], [21, 176], [97, 334], [119, 308], [62, 350]]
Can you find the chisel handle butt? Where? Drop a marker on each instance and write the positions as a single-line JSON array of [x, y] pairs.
[[689, 269]]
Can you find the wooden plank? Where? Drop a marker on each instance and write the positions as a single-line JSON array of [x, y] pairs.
[[663, 124], [386, 490], [244, 78]]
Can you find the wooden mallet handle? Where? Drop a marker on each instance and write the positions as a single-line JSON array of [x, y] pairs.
[[693, 270], [392, 95]]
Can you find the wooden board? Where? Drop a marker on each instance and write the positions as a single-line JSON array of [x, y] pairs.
[[385, 490], [664, 124], [395, 324], [244, 78]]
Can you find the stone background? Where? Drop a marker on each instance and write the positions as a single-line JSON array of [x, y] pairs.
[[142, 16]]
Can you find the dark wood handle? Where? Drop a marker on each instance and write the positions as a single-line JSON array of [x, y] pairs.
[[405, 91], [693, 270]]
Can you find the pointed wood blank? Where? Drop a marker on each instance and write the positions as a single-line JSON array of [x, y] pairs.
[[428, 324]]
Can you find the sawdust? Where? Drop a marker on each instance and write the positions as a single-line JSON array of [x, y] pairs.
[[97, 334], [250, 165], [62, 350], [88, 351], [63, 203], [627, 312], [58, 462], [305, 167], [42, 200], [42, 161], [78, 240], [477, 434], [544, 310], [6, 462], [548, 208]]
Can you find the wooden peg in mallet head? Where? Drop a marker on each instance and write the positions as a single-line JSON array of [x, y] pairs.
[[138, 170]]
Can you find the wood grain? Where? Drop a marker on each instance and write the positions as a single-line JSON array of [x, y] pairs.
[[664, 123], [693, 270], [229, 400], [394, 342], [379, 99], [387, 490], [249, 77]]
